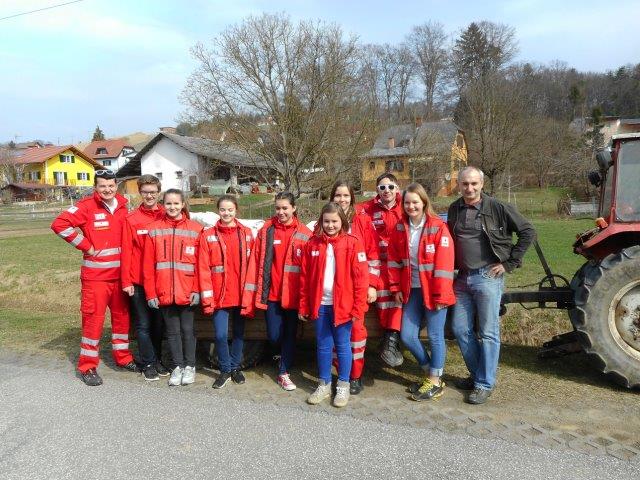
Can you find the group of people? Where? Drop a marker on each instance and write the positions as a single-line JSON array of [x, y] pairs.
[[393, 251]]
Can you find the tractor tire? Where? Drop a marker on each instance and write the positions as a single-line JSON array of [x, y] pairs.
[[252, 353], [607, 314]]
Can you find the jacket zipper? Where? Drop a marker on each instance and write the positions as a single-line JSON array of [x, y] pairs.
[[243, 248], [173, 273]]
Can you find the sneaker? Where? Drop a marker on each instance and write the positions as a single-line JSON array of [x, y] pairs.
[[466, 384], [222, 380], [391, 354], [150, 373], [162, 370], [342, 394], [285, 382], [355, 386], [188, 375], [322, 391], [131, 367], [428, 390], [479, 396], [414, 387], [176, 377], [91, 377], [238, 377]]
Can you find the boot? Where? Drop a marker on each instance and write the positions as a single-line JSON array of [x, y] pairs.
[[391, 353]]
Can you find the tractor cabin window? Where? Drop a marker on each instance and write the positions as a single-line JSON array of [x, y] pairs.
[[627, 198]]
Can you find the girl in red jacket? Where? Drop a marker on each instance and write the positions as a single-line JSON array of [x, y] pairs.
[[359, 224], [273, 280], [421, 258], [223, 261], [333, 292], [171, 282]]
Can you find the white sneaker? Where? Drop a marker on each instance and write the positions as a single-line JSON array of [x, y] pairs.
[[188, 375], [342, 394], [323, 391], [176, 377], [285, 382]]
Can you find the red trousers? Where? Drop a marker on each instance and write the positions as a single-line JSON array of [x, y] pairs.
[[95, 298], [389, 311], [358, 344]]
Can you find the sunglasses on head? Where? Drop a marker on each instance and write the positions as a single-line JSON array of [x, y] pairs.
[[106, 174], [382, 188]]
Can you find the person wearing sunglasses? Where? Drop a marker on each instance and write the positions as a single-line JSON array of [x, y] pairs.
[[94, 226], [385, 210], [147, 321]]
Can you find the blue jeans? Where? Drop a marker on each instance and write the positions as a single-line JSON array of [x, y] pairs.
[[328, 335], [282, 325], [479, 295], [228, 360], [414, 317], [149, 325]]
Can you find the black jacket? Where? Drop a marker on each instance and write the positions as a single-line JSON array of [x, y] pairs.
[[499, 222]]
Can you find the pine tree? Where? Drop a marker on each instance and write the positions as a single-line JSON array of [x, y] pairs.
[[97, 134]]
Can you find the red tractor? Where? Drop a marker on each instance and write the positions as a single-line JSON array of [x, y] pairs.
[[603, 298]]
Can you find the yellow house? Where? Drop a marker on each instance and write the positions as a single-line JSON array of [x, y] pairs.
[[57, 166]]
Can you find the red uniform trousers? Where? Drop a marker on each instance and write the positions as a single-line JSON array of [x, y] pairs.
[[389, 311], [95, 298]]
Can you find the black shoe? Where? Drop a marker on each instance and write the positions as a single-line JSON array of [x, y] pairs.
[[414, 387], [131, 367], [91, 377], [238, 377], [150, 373], [222, 380], [391, 353], [355, 386], [162, 370], [479, 396], [466, 384], [428, 390]]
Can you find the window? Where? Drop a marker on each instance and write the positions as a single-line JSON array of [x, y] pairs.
[[106, 163], [60, 178], [67, 158], [459, 141], [83, 176], [179, 174], [372, 165], [158, 175], [101, 151], [34, 176], [394, 166]]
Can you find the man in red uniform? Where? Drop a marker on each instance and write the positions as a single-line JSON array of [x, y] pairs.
[[385, 210], [99, 219]]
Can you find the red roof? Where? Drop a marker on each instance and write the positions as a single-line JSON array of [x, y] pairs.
[[113, 148], [40, 155], [30, 186]]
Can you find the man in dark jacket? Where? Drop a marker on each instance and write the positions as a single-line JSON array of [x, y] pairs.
[[482, 229]]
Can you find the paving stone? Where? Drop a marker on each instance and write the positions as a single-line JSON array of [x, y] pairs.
[[549, 441], [624, 453], [584, 446]]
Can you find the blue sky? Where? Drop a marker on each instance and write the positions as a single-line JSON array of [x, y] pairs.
[[122, 64]]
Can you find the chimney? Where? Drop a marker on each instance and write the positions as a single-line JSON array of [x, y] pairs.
[[391, 142], [418, 122]]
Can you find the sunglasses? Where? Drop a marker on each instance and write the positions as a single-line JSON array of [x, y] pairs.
[[107, 174], [382, 188]]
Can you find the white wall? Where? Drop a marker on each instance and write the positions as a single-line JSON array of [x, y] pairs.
[[167, 158]]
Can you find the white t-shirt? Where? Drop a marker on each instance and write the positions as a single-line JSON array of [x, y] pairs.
[[329, 275], [415, 232], [112, 205]]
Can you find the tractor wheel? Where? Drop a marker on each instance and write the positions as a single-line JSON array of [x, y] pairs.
[[607, 314], [251, 353]]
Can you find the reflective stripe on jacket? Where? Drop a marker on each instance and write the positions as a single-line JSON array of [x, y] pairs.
[[100, 229], [383, 220], [436, 255], [134, 231]]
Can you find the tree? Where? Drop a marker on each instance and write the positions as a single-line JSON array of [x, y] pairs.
[[287, 94], [428, 44], [97, 134]]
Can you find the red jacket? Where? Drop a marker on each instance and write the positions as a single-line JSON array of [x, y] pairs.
[[100, 229], [216, 278], [362, 228], [350, 282], [435, 262], [169, 265], [256, 292], [134, 232], [383, 220]]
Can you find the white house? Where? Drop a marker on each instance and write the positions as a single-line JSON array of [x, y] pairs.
[[112, 154]]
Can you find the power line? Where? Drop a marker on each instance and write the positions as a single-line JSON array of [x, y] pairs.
[[40, 9]]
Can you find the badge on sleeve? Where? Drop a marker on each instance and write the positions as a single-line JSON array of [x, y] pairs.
[[444, 242], [298, 252], [362, 257], [315, 253], [431, 248], [72, 209]]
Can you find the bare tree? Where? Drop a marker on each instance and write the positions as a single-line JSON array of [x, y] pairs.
[[10, 170], [428, 43], [300, 79]]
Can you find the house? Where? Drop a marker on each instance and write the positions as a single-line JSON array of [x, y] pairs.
[[431, 153], [185, 162], [611, 125], [112, 154], [61, 166]]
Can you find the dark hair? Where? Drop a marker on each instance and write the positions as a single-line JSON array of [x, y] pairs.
[[388, 175], [183, 199], [227, 198], [288, 196], [149, 180], [419, 190], [351, 211], [332, 207], [104, 174]]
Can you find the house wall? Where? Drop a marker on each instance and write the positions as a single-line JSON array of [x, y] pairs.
[[167, 158], [369, 174], [114, 164], [54, 164]]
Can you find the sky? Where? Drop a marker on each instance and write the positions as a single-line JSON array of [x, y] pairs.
[[122, 64]]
